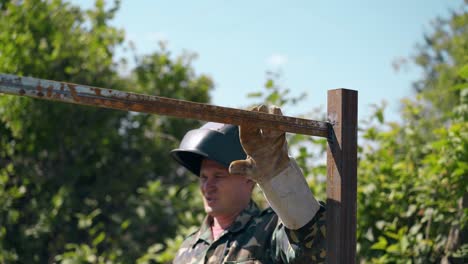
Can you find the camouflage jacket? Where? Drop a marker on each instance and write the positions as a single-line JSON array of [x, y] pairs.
[[257, 237]]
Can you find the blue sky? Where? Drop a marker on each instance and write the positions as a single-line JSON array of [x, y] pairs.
[[317, 45]]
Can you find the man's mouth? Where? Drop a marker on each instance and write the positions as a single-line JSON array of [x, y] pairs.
[[210, 199]]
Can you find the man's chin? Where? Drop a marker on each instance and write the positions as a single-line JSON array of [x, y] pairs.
[[211, 211], [210, 207]]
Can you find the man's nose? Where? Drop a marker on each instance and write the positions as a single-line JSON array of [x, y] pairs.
[[209, 184]]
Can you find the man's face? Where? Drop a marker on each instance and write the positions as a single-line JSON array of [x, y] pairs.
[[223, 194]]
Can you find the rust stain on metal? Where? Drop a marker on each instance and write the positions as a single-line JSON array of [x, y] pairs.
[[73, 92], [97, 91], [120, 104], [39, 90], [49, 91]]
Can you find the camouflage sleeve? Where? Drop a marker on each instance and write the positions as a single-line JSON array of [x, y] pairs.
[[304, 245]]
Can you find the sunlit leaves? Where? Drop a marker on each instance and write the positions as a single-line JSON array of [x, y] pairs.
[[72, 178]]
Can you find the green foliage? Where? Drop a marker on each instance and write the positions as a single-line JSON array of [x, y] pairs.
[[409, 194], [443, 59], [80, 184], [275, 94], [413, 176]]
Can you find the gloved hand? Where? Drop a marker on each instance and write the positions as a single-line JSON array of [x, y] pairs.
[[267, 150]]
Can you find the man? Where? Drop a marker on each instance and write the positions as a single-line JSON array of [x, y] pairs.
[[235, 230]]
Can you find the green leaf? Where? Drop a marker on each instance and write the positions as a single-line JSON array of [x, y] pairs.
[[381, 244], [273, 98], [99, 239], [463, 71]]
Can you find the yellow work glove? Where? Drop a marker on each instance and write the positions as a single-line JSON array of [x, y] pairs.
[[267, 150]]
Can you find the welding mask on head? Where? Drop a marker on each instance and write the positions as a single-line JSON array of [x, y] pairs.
[[214, 141]]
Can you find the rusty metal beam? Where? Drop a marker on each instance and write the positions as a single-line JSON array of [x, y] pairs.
[[108, 98]]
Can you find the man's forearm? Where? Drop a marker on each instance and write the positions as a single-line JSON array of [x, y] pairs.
[[290, 197]]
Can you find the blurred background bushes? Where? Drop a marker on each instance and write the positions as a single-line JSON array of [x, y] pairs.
[[88, 185]]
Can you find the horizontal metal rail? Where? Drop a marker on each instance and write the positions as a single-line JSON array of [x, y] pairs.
[[108, 98]]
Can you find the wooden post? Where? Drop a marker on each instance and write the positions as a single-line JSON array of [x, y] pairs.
[[342, 176]]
